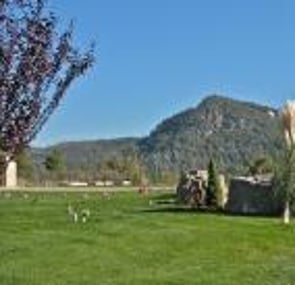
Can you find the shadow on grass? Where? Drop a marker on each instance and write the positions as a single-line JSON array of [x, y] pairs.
[[175, 208], [182, 210], [164, 199], [253, 215]]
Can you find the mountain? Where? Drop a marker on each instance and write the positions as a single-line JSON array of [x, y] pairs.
[[230, 131]]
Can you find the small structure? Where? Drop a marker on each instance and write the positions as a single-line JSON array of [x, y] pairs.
[[252, 195], [109, 183], [99, 183], [126, 182], [8, 177], [77, 184], [106, 183]]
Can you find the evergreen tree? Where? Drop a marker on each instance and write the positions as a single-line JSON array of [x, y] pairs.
[[213, 187], [54, 164], [260, 165]]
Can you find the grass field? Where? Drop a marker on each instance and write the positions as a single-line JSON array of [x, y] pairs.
[[130, 240]]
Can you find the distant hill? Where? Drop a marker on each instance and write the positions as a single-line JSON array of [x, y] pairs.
[[87, 154], [230, 131]]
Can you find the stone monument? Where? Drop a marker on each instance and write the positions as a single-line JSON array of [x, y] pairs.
[[8, 176]]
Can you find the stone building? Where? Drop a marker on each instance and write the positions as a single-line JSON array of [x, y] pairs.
[[252, 195]]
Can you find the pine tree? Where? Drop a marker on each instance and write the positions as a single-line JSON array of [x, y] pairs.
[[213, 187], [54, 164]]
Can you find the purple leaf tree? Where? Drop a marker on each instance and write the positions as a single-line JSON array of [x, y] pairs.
[[37, 65]]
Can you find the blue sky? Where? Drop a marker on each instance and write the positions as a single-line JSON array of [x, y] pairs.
[[158, 57]]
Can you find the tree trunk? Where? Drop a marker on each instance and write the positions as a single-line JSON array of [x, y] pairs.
[[287, 213]]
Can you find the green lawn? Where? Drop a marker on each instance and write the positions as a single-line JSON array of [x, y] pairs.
[[129, 241]]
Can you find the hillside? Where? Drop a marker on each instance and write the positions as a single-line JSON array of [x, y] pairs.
[[228, 130], [87, 154]]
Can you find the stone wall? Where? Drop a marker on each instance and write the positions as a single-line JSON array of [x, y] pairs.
[[248, 195]]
